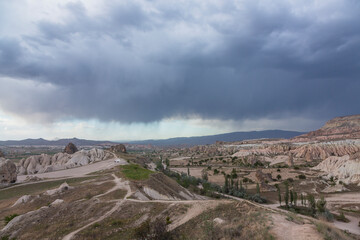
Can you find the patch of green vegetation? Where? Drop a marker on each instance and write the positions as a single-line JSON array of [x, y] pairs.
[[7, 219], [341, 217], [135, 172], [36, 188]]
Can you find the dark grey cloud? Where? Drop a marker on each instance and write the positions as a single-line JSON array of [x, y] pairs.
[[146, 61]]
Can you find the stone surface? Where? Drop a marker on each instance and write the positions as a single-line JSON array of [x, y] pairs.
[[63, 187], [7, 172], [343, 169], [70, 149], [23, 199], [120, 148]]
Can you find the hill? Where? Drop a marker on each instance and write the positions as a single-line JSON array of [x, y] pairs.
[[211, 139], [60, 142], [347, 127]]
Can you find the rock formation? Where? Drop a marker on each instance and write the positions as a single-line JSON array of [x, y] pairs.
[[337, 128], [70, 149], [7, 172], [46, 163], [120, 148], [264, 179], [343, 169], [2, 154]]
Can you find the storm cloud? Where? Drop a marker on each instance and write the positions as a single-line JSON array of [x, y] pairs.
[[144, 61]]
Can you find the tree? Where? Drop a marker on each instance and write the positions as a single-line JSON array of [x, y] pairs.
[[295, 198], [286, 196], [291, 197], [167, 162], [278, 176], [321, 204], [237, 185], [159, 165], [311, 203], [233, 173], [226, 185], [188, 171], [257, 188], [302, 199], [279, 194], [204, 176]]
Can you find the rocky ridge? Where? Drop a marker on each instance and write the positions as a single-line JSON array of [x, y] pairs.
[[46, 163], [347, 127]]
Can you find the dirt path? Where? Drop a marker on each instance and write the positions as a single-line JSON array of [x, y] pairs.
[[283, 228], [351, 226], [118, 185], [76, 172], [195, 210]]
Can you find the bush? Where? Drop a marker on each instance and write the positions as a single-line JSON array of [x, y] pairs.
[[326, 215], [302, 176], [341, 217], [321, 204], [7, 219]]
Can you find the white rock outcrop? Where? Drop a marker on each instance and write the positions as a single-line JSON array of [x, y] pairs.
[[23, 199], [63, 187], [46, 163], [343, 168], [56, 202]]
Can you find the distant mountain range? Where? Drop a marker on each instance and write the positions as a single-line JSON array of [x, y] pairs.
[[180, 141], [60, 142], [226, 137]]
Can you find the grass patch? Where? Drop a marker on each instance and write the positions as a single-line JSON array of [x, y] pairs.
[[135, 172], [36, 188], [331, 233]]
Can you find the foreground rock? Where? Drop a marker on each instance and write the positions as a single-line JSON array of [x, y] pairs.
[[70, 149], [46, 163], [120, 148], [7, 172]]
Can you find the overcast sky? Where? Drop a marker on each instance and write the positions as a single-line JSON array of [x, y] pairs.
[[156, 69]]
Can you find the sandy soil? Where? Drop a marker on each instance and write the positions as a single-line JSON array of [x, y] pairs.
[[284, 229], [76, 172]]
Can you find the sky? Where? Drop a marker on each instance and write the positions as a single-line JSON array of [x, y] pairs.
[[141, 69]]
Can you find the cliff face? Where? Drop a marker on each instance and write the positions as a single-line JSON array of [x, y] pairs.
[[338, 128]]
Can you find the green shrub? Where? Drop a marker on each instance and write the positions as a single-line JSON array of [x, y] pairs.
[[302, 176], [7, 219]]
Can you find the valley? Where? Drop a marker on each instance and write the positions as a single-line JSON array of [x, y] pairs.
[[226, 190]]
